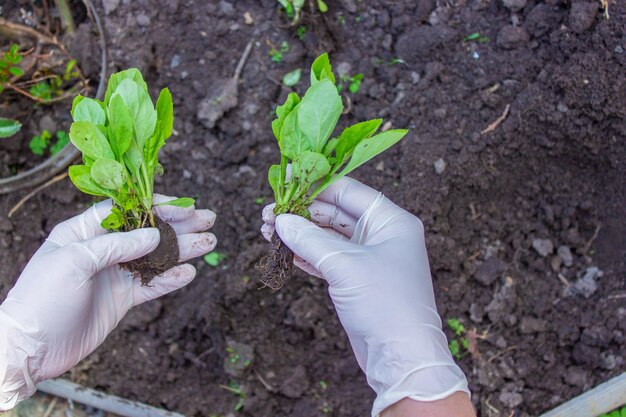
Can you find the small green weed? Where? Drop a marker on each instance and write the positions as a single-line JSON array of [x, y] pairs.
[[476, 36], [9, 65], [301, 32], [458, 346], [293, 8], [353, 83], [276, 54], [214, 258], [42, 142], [236, 389]]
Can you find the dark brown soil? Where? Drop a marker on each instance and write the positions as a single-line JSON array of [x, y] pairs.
[[277, 266], [514, 222], [164, 257]]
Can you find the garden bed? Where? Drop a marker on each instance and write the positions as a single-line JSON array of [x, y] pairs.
[[525, 223]]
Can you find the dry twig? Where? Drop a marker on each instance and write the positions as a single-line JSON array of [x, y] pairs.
[[35, 191], [499, 120]]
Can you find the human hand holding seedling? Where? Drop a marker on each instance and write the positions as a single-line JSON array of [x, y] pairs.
[[120, 139], [73, 293], [372, 253], [303, 129]]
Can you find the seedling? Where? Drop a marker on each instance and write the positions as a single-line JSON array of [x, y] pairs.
[[237, 390], [9, 127], [40, 143], [303, 128], [301, 32], [214, 258], [353, 83], [52, 86], [458, 347], [9, 65], [293, 8], [120, 139], [476, 36], [276, 54]]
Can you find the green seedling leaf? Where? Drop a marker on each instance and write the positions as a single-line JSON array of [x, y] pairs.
[[9, 127], [62, 140], [282, 112], [89, 110], [214, 258], [109, 174], [120, 129], [274, 180], [292, 78], [352, 136], [164, 128], [16, 71], [364, 151], [116, 79], [455, 349], [39, 143], [179, 202], [90, 141], [113, 221], [318, 113], [456, 326], [472, 37], [321, 5], [322, 70], [310, 167], [80, 175], [142, 110], [293, 142]]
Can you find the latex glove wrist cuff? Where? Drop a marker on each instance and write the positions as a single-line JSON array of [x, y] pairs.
[[16, 350]]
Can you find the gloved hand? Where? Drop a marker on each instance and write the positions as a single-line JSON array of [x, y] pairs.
[[373, 255], [72, 293]]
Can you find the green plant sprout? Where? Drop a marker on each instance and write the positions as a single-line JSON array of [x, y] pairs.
[[303, 129], [236, 389], [214, 258], [476, 36], [276, 54], [42, 142], [458, 347], [392, 61], [9, 127], [293, 8], [52, 86], [9, 65], [353, 83], [120, 139], [301, 32]]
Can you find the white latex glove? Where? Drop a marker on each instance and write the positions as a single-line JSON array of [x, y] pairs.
[[72, 293], [373, 255]]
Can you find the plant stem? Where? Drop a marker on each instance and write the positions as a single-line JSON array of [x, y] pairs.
[[66, 15]]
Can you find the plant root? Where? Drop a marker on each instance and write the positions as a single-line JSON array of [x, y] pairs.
[[164, 257], [276, 267]]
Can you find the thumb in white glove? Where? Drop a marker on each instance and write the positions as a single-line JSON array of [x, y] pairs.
[[72, 293], [373, 255]]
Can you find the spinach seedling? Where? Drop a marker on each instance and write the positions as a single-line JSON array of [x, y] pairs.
[[459, 346], [304, 130], [120, 139]]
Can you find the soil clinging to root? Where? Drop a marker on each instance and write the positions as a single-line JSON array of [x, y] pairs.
[[277, 266], [164, 257]]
